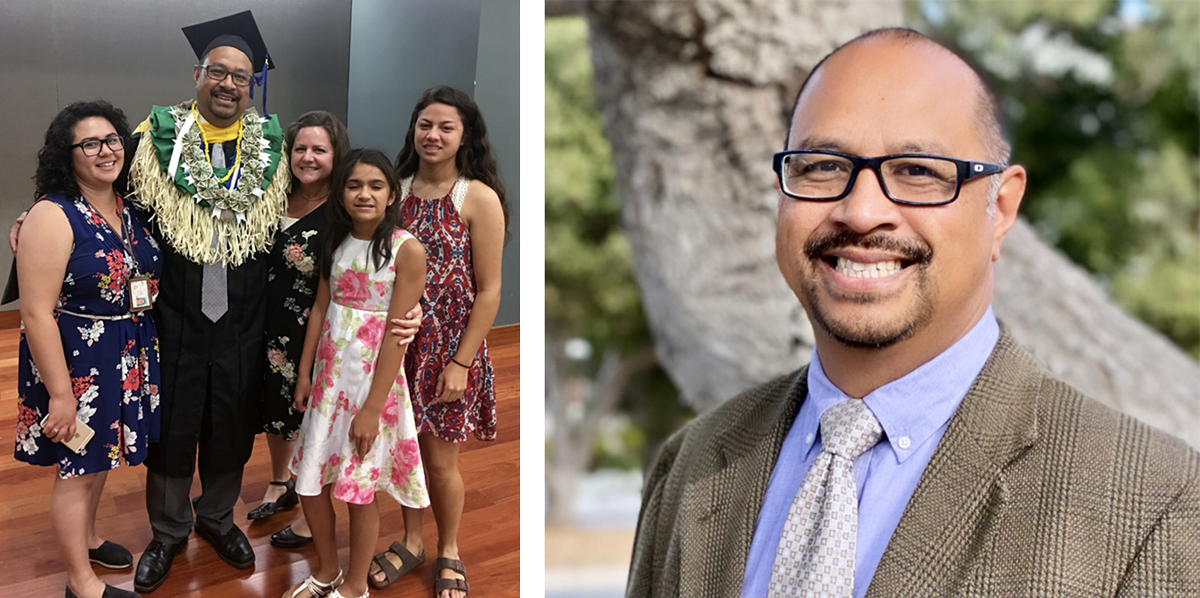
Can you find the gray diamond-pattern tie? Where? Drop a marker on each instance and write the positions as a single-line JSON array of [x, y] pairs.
[[815, 557], [214, 292]]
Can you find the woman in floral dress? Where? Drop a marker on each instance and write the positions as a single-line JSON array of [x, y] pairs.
[[316, 143], [454, 203], [88, 352]]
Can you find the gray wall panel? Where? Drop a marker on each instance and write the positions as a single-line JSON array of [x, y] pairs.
[[400, 49], [498, 93], [397, 51], [133, 54]]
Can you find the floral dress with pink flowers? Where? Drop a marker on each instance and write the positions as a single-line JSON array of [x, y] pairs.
[[355, 325]]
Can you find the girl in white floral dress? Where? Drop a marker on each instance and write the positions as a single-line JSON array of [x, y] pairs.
[[358, 434]]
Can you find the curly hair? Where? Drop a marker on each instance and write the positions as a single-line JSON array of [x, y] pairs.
[[56, 166], [474, 160], [340, 224], [334, 127]]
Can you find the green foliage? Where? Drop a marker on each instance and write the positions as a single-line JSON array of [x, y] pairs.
[[1164, 296], [590, 290]]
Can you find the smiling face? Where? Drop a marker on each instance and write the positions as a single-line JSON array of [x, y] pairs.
[[438, 133], [872, 273], [99, 171], [366, 197], [222, 102], [312, 156]]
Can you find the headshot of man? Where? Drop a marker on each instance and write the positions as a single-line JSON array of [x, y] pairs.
[[923, 451]]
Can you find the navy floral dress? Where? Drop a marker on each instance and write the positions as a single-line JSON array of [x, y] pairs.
[[112, 358]]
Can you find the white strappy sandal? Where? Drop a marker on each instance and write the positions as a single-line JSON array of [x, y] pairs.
[[318, 589], [337, 594]]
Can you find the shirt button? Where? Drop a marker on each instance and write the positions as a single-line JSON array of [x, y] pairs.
[[903, 442], [808, 439]]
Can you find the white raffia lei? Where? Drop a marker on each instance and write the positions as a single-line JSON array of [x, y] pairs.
[[242, 222]]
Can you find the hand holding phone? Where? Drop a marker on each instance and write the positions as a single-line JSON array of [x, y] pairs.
[[83, 433]]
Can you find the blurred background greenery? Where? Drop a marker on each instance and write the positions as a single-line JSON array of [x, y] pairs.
[[1102, 101]]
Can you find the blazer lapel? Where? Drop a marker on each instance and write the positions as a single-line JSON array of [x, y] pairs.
[[720, 506], [945, 533]]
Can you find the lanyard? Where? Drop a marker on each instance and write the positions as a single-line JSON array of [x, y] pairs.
[[125, 231]]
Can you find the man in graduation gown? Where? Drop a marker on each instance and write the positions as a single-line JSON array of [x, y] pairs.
[[214, 176]]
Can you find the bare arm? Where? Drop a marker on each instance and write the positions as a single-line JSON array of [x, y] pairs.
[[312, 336], [485, 220], [407, 290], [47, 239]]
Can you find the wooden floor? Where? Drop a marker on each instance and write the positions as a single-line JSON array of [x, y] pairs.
[[489, 539]]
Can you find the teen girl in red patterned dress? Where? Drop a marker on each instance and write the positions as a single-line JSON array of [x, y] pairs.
[[454, 203]]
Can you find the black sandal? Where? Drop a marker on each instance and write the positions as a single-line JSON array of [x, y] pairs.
[[408, 562], [283, 503]]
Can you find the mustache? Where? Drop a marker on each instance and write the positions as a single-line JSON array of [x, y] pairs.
[[914, 250]]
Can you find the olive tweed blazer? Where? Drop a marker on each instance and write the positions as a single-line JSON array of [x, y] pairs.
[[1034, 490]]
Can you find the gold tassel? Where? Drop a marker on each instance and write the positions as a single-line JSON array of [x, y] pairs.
[[189, 227]]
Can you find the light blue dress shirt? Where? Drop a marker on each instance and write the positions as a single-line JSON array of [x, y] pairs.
[[913, 412]]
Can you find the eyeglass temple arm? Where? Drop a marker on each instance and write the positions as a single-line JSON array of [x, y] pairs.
[[978, 169]]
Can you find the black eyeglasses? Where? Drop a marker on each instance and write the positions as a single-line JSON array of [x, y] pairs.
[[908, 179], [218, 73], [91, 147]]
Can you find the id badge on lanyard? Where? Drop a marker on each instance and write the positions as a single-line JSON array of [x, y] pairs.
[[139, 294]]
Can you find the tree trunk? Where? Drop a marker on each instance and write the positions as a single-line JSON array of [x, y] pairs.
[[696, 97], [578, 405]]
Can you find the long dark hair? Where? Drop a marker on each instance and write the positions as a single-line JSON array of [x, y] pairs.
[[334, 127], [56, 168], [474, 160], [340, 223]]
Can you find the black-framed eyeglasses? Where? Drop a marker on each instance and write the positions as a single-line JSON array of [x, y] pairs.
[[218, 73], [91, 146], [908, 179]]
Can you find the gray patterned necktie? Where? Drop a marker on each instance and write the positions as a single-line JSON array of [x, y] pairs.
[[815, 557], [214, 292]]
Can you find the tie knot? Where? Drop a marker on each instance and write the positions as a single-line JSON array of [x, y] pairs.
[[849, 428]]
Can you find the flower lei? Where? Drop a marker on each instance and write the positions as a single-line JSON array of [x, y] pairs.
[[224, 203]]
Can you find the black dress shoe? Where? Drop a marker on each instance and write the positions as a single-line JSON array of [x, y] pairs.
[[286, 538], [283, 503], [232, 546], [154, 565], [109, 592]]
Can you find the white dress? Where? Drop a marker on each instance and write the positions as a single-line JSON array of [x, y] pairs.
[[354, 329]]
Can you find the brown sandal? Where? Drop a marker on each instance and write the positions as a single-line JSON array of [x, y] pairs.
[[408, 562], [441, 584]]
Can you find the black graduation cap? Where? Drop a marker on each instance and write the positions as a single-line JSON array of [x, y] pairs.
[[238, 31]]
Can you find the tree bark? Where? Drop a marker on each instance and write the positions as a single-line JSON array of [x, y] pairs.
[[696, 97]]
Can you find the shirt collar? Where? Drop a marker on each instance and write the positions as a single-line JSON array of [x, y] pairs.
[[912, 408]]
